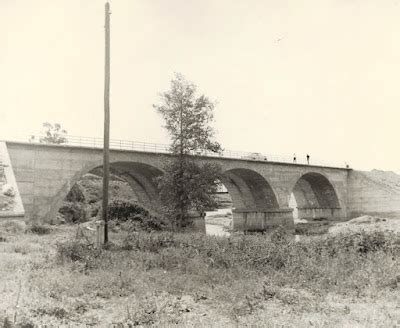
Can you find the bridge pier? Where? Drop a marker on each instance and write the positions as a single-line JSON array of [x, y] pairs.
[[312, 213], [262, 219]]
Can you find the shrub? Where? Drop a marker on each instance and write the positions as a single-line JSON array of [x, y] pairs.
[[39, 229], [13, 226], [343, 264], [148, 224], [362, 242], [76, 251], [122, 210], [264, 253], [75, 194], [73, 212], [136, 218], [57, 312], [6, 202]]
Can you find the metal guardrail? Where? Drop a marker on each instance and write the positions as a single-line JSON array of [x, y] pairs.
[[117, 144]]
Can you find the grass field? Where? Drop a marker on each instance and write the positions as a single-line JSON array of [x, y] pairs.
[[53, 276]]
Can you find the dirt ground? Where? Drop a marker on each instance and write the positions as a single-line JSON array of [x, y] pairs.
[[366, 223]]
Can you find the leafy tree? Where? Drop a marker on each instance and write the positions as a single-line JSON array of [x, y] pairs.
[[187, 184], [54, 134]]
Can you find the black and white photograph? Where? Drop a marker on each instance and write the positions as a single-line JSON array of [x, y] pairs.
[[199, 163]]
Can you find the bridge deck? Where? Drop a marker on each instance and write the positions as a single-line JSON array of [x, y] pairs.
[[136, 146]]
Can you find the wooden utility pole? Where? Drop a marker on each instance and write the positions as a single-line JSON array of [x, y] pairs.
[[106, 149]]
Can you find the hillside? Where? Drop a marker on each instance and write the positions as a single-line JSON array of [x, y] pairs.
[[387, 178]]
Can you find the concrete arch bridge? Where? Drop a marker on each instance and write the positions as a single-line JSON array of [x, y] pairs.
[[261, 191]]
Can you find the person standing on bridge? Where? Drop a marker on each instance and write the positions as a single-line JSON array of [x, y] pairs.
[[308, 159], [294, 158]]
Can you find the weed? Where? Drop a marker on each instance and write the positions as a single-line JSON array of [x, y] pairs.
[[39, 229], [57, 312], [7, 323], [76, 251], [13, 226], [245, 272]]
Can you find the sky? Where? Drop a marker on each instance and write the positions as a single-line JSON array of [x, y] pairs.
[[313, 76]]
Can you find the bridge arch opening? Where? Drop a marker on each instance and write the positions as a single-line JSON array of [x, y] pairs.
[[314, 197], [249, 190], [131, 181], [255, 206]]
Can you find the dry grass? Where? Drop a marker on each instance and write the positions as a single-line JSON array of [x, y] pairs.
[[191, 280]]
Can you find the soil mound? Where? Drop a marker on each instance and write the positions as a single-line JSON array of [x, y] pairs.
[[366, 223]]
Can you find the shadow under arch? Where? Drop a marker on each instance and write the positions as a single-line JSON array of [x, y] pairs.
[[314, 197], [139, 176], [249, 190]]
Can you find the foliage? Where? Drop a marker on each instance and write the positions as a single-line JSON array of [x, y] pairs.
[[75, 194], [39, 229], [54, 134], [186, 185], [76, 250], [319, 264], [13, 226], [170, 279], [148, 224], [83, 201], [136, 218], [123, 209], [188, 118], [73, 212]]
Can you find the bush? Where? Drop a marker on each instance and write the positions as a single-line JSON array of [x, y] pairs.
[[122, 210], [265, 253], [6, 202], [318, 264], [147, 224], [134, 217], [76, 251], [75, 194], [13, 226], [39, 229], [73, 212], [362, 242]]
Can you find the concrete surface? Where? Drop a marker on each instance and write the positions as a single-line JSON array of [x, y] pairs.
[[260, 190]]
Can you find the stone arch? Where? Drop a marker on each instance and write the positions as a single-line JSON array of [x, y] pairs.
[[141, 182], [249, 190], [314, 197]]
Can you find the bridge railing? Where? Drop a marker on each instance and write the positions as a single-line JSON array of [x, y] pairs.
[[119, 144]]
